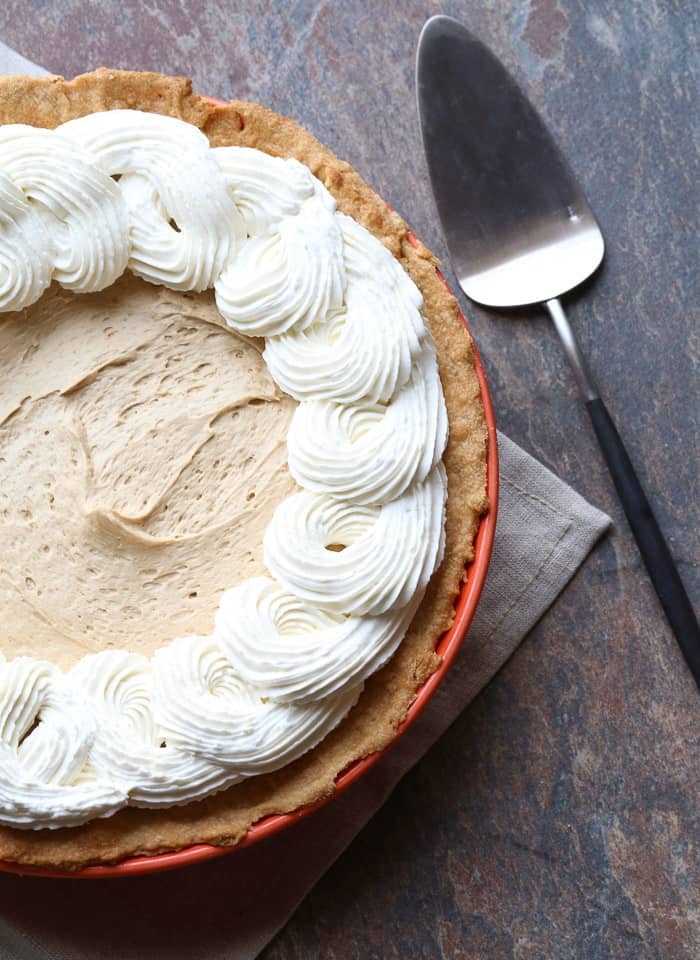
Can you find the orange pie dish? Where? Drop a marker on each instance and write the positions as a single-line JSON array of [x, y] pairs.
[[249, 475]]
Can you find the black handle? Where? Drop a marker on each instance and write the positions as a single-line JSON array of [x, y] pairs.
[[650, 540]]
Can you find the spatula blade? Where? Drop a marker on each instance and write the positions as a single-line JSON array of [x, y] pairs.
[[518, 227]]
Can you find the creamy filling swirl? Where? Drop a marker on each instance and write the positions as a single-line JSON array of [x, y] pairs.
[[348, 557], [371, 452], [298, 652], [83, 209], [25, 249], [183, 225]]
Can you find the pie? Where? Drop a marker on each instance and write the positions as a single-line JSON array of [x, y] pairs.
[[234, 523]]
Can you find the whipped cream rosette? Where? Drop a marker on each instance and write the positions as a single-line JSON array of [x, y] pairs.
[[265, 189], [207, 708], [365, 350], [183, 225], [349, 555], [129, 746], [297, 651], [371, 452], [82, 208], [26, 264], [46, 735]]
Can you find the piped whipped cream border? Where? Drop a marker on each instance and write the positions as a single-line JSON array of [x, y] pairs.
[[349, 556]]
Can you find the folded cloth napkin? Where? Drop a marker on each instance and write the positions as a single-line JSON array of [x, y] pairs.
[[545, 530]]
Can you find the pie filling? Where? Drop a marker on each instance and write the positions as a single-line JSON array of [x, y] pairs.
[[210, 540], [143, 454]]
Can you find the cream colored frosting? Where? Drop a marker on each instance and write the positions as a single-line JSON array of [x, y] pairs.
[[297, 651], [143, 465], [347, 557], [371, 452], [82, 208], [43, 776], [26, 263], [130, 745], [163, 165], [207, 709], [269, 288]]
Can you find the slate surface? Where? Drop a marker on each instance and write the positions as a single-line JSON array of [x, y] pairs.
[[560, 816]]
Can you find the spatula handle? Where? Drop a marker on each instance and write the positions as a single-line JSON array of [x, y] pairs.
[[652, 546]]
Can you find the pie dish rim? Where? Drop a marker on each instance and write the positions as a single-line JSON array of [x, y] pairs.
[[446, 647]]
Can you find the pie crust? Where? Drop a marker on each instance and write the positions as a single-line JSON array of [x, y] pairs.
[[225, 817]]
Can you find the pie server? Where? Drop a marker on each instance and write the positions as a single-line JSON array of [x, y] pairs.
[[519, 231]]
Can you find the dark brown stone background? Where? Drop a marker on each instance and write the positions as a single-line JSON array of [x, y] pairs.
[[559, 817]]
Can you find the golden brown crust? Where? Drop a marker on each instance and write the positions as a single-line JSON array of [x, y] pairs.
[[225, 817]]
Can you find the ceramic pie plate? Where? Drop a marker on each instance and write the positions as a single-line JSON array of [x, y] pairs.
[[447, 648]]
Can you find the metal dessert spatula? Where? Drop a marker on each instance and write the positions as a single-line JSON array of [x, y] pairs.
[[519, 231]]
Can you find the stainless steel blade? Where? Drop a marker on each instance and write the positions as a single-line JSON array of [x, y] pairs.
[[517, 226]]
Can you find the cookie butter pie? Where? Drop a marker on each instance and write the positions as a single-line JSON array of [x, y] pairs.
[[225, 467]]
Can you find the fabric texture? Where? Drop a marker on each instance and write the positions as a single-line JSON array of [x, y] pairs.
[[544, 532]]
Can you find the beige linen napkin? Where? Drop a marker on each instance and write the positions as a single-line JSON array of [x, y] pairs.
[[230, 908]]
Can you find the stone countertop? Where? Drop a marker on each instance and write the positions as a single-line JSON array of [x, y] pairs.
[[560, 815]]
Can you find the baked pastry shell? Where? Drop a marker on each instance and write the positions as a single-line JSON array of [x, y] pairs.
[[136, 841]]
